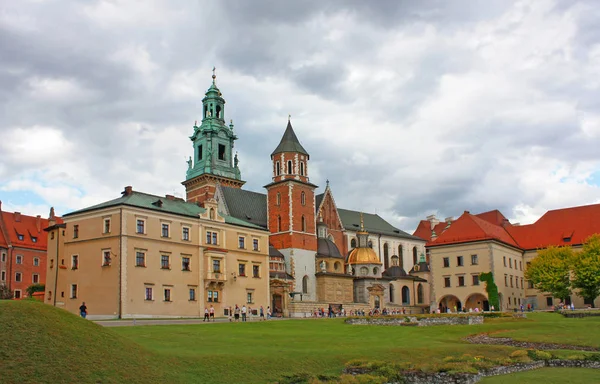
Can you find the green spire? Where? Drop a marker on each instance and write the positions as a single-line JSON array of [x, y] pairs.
[[422, 258], [213, 139]]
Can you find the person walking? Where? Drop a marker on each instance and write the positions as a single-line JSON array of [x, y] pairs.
[[268, 313], [244, 312], [261, 313], [236, 313], [212, 313], [230, 314], [206, 318], [83, 310]]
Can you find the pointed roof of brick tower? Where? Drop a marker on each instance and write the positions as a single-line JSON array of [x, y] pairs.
[[289, 142]]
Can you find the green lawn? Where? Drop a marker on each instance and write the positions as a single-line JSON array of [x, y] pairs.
[[42, 344], [548, 375], [256, 352]]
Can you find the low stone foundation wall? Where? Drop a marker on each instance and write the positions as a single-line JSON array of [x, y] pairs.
[[420, 321], [304, 309], [579, 314], [467, 378]]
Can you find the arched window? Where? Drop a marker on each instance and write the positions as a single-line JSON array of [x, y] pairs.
[[394, 261], [305, 284], [278, 198], [218, 111], [277, 169], [415, 259], [330, 237], [301, 169], [303, 198], [391, 293], [405, 295], [420, 293], [212, 214], [353, 243], [337, 265], [364, 271], [386, 262], [375, 270], [278, 223], [303, 224], [370, 244], [289, 170]]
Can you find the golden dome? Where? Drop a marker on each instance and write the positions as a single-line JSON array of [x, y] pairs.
[[363, 256]]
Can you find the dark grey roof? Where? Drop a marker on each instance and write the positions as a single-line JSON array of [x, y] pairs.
[[373, 224], [395, 271], [289, 142], [280, 275], [246, 205], [318, 201], [423, 267], [327, 248], [274, 252]]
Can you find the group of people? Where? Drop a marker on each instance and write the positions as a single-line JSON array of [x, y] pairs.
[[234, 313], [209, 313]]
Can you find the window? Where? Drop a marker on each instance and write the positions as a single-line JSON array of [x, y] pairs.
[[278, 223], [255, 271], [140, 226], [305, 284], [509, 263], [461, 281], [277, 170], [167, 294], [520, 265], [353, 243], [511, 281], [213, 296], [301, 169], [185, 263], [17, 293], [549, 301], [370, 244], [192, 294], [140, 259], [446, 262], [504, 260], [241, 242], [75, 231], [19, 259], [405, 295], [242, 269], [289, 167], [516, 282], [255, 244], [36, 262], [303, 224], [74, 262], [185, 233], [164, 262], [20, 237], [249, 297], [446, 282], [216, 265], [474, 260], [522, 286], [35, 278], [475, 279], [3, 257], [459, 261], [18, 277], [165, 230], [528, 264], [106, 225], [214, 238], [149, 293], [73, 291], [420, 293], [200, 152], [278, 202], [506, 280], [303, 198], [221, 152], [212, 214], [33, 239], [3, 276], [529, 284], [106, 258]]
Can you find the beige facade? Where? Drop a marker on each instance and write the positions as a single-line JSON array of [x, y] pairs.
[[127, 262], [455, 271]]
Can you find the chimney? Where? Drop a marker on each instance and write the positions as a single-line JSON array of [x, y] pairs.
[[170, 197], [38, 223], [0, 205], [449, 220], [51, 217], [467, 212], [17, 216], [128, 191], [433, 221]]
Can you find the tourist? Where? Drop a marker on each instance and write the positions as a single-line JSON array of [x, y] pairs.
[[206, 318], [572, 307], [261, 313], [83, 310], [268, 313], [212, 313], [236, 313], [492, 308], [230, 313], [244, 312], [522, 308]]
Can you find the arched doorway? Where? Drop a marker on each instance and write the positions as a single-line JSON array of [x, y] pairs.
[[377, 302], [477, 300], [420, 293], [450, 302], [405, 295], [277, 303], [305, 284], [391, 293]]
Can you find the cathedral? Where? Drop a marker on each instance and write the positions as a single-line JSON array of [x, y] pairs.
[[319, 255]]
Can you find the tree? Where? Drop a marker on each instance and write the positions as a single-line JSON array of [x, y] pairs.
[[35, 288], [5, 293], [550, 271], [586, 269], [491, 288]]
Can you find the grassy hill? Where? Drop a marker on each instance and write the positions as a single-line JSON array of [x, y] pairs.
[[43, 344]]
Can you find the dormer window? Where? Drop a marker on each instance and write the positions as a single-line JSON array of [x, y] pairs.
[[20, 237], [33, 239], [567, 239]]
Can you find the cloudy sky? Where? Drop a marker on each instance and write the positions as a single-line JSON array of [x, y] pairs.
[[409, 108]]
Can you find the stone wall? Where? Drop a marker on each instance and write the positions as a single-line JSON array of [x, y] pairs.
[[421, 321], [580, 314]]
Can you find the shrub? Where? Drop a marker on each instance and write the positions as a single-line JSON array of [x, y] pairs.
[[539, 355], [296, 378], [576, 357], [593, 357], [5, 293], [496, 314], [519, 353], [35, 288]]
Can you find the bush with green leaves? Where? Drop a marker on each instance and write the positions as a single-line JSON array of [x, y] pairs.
[[35, 288], [5, 293]]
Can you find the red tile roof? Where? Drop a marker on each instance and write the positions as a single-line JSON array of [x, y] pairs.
[[554, 227], [29, 228], [469, 228], [494, 217], [424, 229]]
